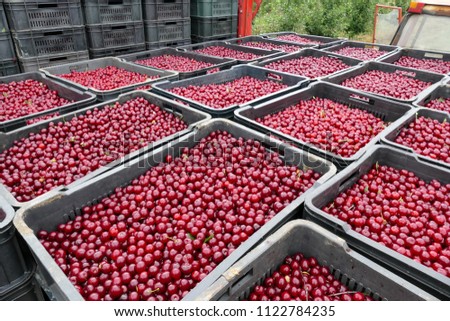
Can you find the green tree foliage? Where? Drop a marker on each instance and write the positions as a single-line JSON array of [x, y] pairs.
[[335, 18]]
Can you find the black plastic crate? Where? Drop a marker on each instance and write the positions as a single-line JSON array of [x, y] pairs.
[[426, 278], [199, 39], [258, 39], [35, 63], [416, 74], [385, 109], [165, 31], [112, 35], [364, 45], [263, 54], [320, 41], [418, 54], [167, 44], [166, 9], [117, 51], [311, 52], [236, 72], [66, 205], [214, 8], [49, 42], [217, 63], [43, 14], [6, 46], [189, 115], [393, 131], [9, 67], [16, 260], [350, 268], [209, 27], [112, 11], [80, 98], [28, 290], [104, 95]]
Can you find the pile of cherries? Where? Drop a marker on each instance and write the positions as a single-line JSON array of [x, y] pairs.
[[158, 237], [300, 278], [68, 150], [309, 66], [239, 91], [271, 46], [42, 118], [360, 53], [26, 97], [107, 78], [396, 84], [434, 65], [442, 104], [428, 137], [177, 63], [225, 52], [401, 211], [298, 39], [329, 125]]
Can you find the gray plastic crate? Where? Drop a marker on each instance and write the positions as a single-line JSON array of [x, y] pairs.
[[364, 45], [189, 115], [244, 40], [236, 72], [438, 90], [113, 35], [3, 22], [9, 67], [323, 41], [164, 31], [112, 11], [35, 63], [311, 52], [103, 95], [426, 278], [49, 41], [43, 14], [199, 39], [6, 46], [385, 109], [117, 51], [209, 27], [80, 98], [214, 8], [419, 54], [28, 290], [15, 260], [393, 131], [416, 74], [263, 54], [166, 44], [166, 9], [350, 268], [217, 63], [66, 205]]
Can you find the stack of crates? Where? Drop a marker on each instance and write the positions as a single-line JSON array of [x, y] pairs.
[[114, 27], [8, 61], [46, 33], [213, 20], [167, 23]]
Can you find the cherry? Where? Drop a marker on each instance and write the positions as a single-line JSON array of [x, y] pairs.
[[225, 52], [440, 103], [298, 39], [368, 53], [239, 91], [177, 63], [429, 64], [107, 78], [271, 46], [26, 97]]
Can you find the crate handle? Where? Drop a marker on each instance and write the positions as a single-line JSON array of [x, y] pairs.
[[433, 55], [58, 59], [112, 2], [118, 27], [171, 23], [360, 99], [53, 33], [223, 19], [274, 77], [47, 5], [169, 1]]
